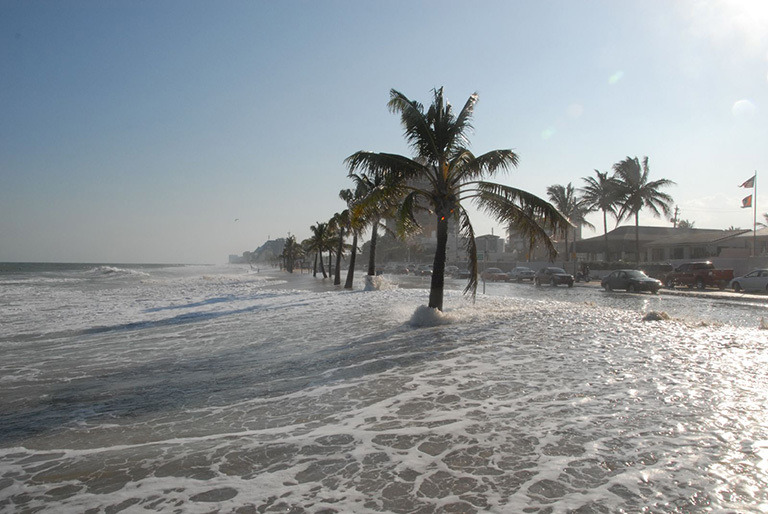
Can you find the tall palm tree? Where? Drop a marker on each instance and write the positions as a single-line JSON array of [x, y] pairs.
[[371, 206], [637, 192], [571, 206], [317, 243], [444, 175], [602, 193], [341, 221], [332, 240], [357, 219]]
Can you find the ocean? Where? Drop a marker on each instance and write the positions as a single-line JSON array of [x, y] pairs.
[[200, 389]]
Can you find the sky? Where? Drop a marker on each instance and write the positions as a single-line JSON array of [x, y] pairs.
[[185, 131]]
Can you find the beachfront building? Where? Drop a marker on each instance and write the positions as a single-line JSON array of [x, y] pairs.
[[663, 244], [695, 244], [490, 248], [520, 245]]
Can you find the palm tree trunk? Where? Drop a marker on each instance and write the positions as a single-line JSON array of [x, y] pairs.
[[605, 233], [567, 253], [330, 261], [314, 269], [337, 271], [351, 270], [322, 268], [637, 236], [438, 267], [372, 256], [530, 250]]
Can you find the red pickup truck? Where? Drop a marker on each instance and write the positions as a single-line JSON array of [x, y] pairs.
[[699, 274]]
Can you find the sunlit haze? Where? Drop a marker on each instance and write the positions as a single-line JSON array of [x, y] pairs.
[[186, 131]]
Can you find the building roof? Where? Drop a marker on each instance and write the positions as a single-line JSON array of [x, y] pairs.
[[761, 232], [696, 236], [624, 236]]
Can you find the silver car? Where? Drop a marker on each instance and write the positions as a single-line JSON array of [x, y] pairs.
[[756, 280], [521, 273]]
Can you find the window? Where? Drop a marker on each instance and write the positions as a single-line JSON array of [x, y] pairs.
[[698, 252]]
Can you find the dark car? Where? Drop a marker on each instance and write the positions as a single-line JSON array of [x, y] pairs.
[[553, 276], [631, 280]]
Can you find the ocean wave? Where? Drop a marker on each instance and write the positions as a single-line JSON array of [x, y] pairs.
[[113, 271]]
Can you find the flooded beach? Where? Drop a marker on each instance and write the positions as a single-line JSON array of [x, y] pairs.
[[218, 389]]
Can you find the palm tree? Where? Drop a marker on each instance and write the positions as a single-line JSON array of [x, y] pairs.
[[357, 219], [570, 206], [341, 221], [637, 192], [332, 240], [444, 175], [317, 243], [292, 251], [372, 204], [601, 194]]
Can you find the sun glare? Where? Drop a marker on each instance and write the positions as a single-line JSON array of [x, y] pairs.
[[746, 20]]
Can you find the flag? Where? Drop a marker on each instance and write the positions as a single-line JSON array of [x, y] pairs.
[[746, 201], [749, 183]]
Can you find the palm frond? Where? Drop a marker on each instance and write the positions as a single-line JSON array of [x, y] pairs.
[[462, 125], [469, 167], [418, 132], [405, 220], [467, 234], [385, 164], [531, 215]]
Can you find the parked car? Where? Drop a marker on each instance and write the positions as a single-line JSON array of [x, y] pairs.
[[494, 274], [521, 273], [450, 271], [553, 276], [756, 280], [699, 274], [631, 280]]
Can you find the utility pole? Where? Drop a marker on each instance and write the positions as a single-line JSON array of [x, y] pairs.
[[675, 219]]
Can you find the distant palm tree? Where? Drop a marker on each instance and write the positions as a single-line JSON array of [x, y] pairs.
[[353, 225], [444, 175], [317, 243], [602, 193], [341, 221], [685, 224], [338, 224], [373, 204], [570, 206], [292, 251], [637, 192]]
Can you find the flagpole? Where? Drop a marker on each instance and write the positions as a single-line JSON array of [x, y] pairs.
[[754, 217]]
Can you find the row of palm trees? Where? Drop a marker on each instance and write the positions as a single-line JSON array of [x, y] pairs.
[[622, 195], [366, 207], [444, 176]]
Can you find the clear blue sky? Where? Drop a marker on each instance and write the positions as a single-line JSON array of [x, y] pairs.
[[139, 131]]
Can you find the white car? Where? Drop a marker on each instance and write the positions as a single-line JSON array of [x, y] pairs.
[[756, 280]]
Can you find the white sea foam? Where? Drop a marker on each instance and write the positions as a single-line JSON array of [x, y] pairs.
[[270, 392], [429, 317]]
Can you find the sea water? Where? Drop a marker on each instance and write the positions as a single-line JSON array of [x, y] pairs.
[[223, 389]]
